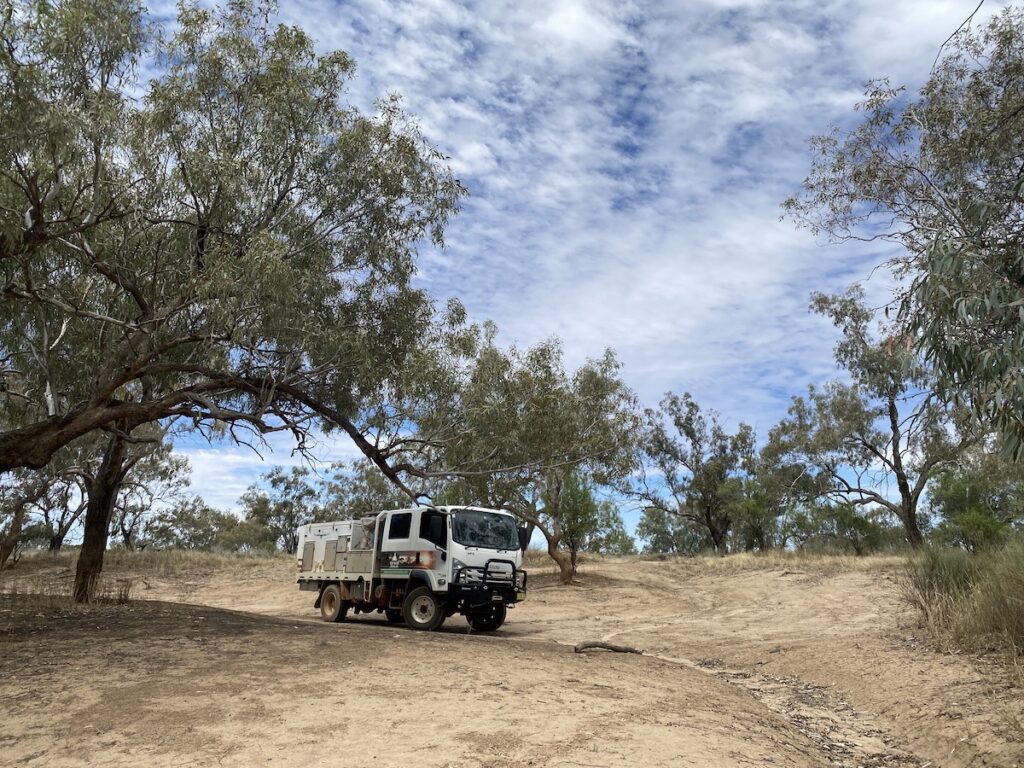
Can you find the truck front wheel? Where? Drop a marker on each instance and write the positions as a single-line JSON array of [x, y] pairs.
[[332, 608], [487, 620], [422, 610]]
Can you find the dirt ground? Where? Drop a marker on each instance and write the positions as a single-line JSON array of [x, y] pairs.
[[753, 666]]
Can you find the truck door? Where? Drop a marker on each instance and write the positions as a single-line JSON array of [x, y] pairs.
[[433, 535]]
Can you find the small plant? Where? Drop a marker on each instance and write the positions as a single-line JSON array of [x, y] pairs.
[[123, 591]]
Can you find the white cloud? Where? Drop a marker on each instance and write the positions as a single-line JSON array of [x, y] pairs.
[[222, 472], [627, 162]]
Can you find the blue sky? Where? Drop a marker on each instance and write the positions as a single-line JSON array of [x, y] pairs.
[[626, 163]]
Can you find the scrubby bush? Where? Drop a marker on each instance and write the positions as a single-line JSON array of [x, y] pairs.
[[971, 601]]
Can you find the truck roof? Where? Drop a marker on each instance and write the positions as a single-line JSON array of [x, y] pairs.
[[447, 509]]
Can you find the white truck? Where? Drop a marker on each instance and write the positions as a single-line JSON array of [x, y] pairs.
[[416, 565]]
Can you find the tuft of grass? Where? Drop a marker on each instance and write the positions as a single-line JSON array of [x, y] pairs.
[[972, 602], [117, 591]]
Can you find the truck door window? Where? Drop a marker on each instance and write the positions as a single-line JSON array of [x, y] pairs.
[[400, 525], [433, 529]]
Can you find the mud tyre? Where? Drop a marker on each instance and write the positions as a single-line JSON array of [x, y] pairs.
[[488, 619], [422, 610], [332, 607]]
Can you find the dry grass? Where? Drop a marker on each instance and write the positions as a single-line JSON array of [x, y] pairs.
[[972, 602], [537, 561], [183, 563], [778, 559], [50, 576], [53, 590], [785, 560]]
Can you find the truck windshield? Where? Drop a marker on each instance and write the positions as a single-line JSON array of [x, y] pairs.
[[473, 528]]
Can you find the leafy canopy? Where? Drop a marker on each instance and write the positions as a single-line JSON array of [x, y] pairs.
[[941, 173], [229, 241]]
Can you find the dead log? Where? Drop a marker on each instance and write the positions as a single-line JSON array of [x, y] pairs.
[[581, 647]]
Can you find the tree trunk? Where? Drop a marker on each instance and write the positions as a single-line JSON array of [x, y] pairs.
[[908, 503], [10, 540], [910, 526], [127, 531], [102, 491], [564, 561], [56, 541], [717, 538]]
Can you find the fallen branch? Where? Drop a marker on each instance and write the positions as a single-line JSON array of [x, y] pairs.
[[581, 647]]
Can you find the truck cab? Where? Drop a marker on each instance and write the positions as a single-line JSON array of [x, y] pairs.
[[417, 566]]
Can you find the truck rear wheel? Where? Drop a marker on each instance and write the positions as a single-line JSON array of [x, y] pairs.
[[332, 608], [487, 620], [422, 610]]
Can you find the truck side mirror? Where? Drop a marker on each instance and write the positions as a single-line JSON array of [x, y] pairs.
[[524, 538]]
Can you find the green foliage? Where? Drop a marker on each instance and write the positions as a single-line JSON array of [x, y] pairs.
[[609, 536], [153, 477], [940, 173], [517, 430], [589, 525], [972, 529], [357, 490], [194, 525], [244, 536], [188, 524], [700, 468], [755, 522], [850, 528], [223, 238], [663, 532], [288, 502], [979, 502], [886, 426], [577, 512]]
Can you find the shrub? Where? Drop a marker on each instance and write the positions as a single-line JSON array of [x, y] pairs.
[[971, 601], [998, 608]]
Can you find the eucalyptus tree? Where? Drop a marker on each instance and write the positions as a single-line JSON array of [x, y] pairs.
[[189, 523], [665, 533], [19, 491], [517, 430], [979, 502], [284, 502], [61, 508], [156, 479], [587, 523], [229, 241], [607, 535], [358, 489], [940, 173], [854, 440], [698, 467], [50, 500]]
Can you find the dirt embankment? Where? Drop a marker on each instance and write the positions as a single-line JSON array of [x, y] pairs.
[[766, 667]]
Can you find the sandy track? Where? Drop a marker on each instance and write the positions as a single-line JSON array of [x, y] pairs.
[[761, 668]]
